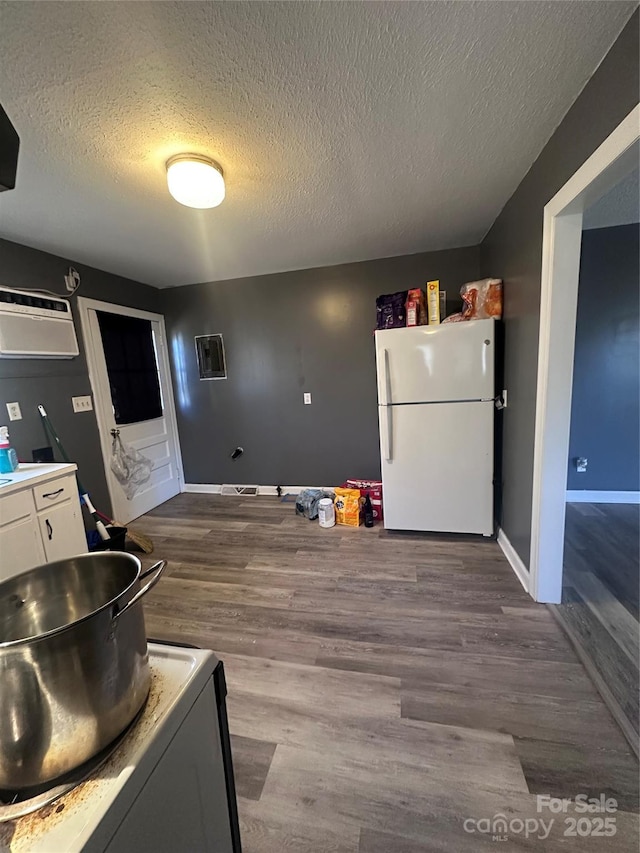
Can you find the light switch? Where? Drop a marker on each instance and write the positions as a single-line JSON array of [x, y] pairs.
[[14, 411], [82, 404], [307, 398]]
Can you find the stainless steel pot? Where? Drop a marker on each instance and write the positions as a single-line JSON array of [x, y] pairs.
[[74, 668]]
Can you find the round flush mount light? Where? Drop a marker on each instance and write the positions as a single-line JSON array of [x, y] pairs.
[[195, 181]]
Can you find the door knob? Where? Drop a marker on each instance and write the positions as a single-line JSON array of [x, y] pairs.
[[115, 432]]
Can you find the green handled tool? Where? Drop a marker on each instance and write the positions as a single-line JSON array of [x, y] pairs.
[[84, 494]]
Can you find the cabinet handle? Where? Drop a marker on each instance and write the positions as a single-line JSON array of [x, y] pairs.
[[53, 494], [49, 529]]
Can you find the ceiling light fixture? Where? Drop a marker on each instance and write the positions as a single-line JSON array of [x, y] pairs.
[[195, 181]]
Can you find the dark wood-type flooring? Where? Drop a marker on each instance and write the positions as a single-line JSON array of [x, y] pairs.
[[383, 688], [600, 588], [603, 540]]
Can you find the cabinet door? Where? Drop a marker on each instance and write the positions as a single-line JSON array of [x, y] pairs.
[[20, 547], [62, 531]]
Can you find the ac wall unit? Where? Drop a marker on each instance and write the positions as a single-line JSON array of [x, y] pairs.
[[35, 326]]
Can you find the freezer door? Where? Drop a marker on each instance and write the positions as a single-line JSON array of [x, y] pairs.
[[428, 364], [437, 467]]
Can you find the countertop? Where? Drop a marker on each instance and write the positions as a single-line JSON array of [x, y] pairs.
[[31, 473]]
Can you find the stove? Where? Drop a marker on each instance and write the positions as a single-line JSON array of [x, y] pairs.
[[92, 808], [15, 804]]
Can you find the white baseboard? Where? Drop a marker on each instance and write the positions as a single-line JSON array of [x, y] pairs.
[[286, 490], [584, 496], [216, 489], [519, 568]]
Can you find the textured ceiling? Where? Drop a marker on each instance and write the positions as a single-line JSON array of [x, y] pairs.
[[346, 130], [620, 206]]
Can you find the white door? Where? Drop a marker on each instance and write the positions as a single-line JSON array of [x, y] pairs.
[[424, 364], [156, 438], [437, 467]]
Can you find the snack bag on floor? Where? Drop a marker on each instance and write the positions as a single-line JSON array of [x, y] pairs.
[[348, 506]]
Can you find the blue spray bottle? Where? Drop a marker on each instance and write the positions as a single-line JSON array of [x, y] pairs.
[[8, 456]]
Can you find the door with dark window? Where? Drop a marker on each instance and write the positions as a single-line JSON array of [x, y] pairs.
[[134, 404], [132, 368]]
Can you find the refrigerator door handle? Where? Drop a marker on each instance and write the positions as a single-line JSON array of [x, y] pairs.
[[385, 387], [386, 433]]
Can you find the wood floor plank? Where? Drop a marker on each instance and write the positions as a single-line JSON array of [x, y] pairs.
[[607, 544], [247, 575], [429, 666], [344, 792], [206, 594], [437, 632], [169, 526], [251, 763], [382, 687], [232, 639], [509, 637], [620, 673], [379, 738], [553, 768], [527, 611], [273, 828], [611, 613], [448, 838], [372, 841], [312, 690], [524, 715]]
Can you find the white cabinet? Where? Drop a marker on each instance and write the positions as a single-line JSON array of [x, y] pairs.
[[40, 518], [20, 547], [60, 531]]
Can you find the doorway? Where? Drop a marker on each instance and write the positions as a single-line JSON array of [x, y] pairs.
[[601, 567], [133, 397], [562, 238]]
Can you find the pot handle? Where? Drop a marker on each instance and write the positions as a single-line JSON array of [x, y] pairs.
[[158, 568]]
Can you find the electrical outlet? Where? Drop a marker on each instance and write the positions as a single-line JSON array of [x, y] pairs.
[[307, 398], [82, 404], [14, 411], [72, 280], [504, 399], [581, 464]]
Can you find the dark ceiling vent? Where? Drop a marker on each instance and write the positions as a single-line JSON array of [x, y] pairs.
[[9, 146]]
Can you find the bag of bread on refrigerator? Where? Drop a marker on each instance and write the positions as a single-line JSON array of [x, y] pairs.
[[482, 300]]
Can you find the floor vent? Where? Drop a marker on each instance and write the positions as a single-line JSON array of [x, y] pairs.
[[229, 489]]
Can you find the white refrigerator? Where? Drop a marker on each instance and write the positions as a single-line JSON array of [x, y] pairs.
[[436, 389]]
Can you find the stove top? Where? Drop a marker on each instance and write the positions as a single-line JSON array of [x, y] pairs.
[[68, 815], [18, 804]]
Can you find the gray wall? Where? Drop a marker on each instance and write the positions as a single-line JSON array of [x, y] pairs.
[[54, 382], [513, 250], [605, 418], [284, 334]]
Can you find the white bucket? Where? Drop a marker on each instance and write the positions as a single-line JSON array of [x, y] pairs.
[[326, 513]]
